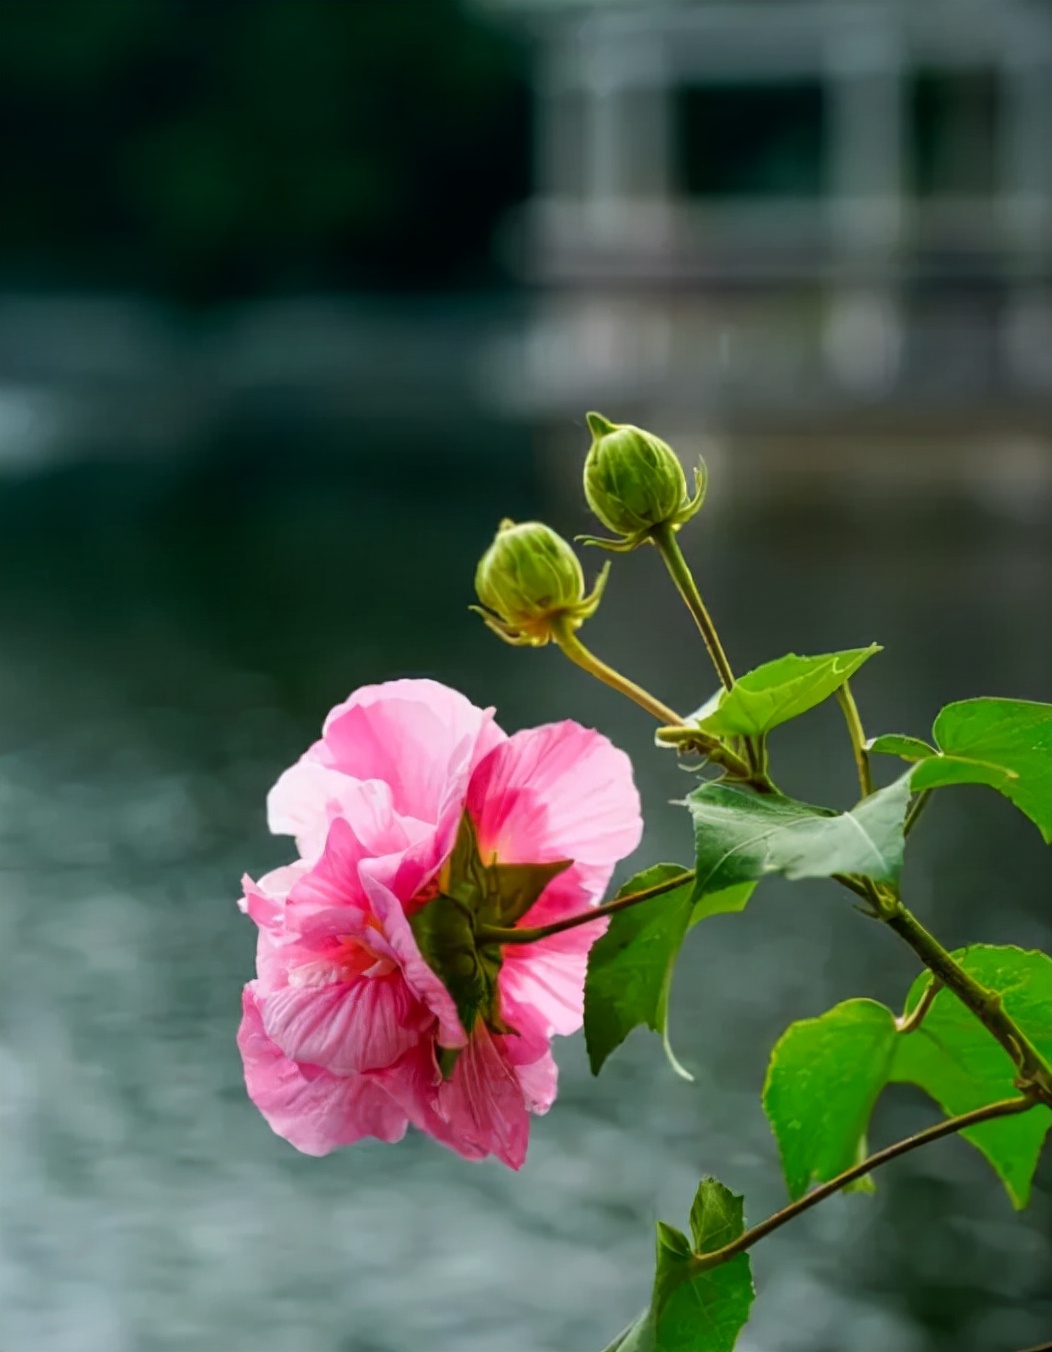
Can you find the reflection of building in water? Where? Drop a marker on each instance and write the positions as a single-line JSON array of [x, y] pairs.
[[791, 202]]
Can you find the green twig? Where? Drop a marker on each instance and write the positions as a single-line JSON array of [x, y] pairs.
[[1003, 1108], [564, 636], [1035, 1073]]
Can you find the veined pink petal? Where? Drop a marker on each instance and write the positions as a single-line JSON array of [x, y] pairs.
[[483, 1108], [344, 1026], [428, 987], [557, 792], [312, 1109], [421, 738], [548, 976]]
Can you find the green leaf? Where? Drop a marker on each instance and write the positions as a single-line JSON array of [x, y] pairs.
[[716, 1216], [778, 691], [630, 967], [894, 744], [741, 836], [825, 1074], [725, 902], [953, 1058], [1012, 736], [824, 1077], [692, 1308]]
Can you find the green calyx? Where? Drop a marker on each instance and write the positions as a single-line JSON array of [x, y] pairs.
[[528, 579], [449, 929], [634, 484]]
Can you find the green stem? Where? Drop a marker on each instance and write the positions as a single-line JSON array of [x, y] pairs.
[[664, 538], [563, 633], [1003, 1108], [492, 934], [1035, 1074], [721, 754], [858, 738]]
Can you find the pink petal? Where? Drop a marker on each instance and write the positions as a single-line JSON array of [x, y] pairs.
[[548, 976], [313, 1110], [396, 930], [539, 1082], [305, 799], [264, 901], [557, 792], [483, 1108], [419, 737], [345, 1026]]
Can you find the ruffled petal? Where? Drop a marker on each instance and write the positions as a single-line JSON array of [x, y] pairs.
[[419, 737], [345, 1026], [482, 1109], [394, 925], [264, 901], [557, 792], [313, 1110]]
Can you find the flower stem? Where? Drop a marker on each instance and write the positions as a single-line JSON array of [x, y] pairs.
[[664, 538], [1003, 1108], [858, 738], [491, 934], [563, 633], [718, 752]]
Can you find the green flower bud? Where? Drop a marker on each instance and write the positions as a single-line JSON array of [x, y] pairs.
[[528, 579], [634, 482]]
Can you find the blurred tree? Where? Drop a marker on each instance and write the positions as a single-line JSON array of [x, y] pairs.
[[210, 148]]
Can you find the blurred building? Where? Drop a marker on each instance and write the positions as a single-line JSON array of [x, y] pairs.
[[790, 204]]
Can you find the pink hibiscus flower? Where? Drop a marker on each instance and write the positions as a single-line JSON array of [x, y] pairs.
[[378, 1000]]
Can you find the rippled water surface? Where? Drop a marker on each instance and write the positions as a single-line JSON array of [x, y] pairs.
[[172, 639]]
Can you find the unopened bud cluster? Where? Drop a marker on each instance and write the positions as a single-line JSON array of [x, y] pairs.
[[529, 581]]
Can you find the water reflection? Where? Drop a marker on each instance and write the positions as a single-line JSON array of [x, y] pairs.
[[172, 639]]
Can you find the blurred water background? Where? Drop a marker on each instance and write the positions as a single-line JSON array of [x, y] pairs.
[[298, 301]]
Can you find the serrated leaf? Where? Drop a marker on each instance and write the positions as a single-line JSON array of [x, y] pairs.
[[954, 1059], [823, 1079], [907, 748], [778, 691], [630, 966], [1013, 735], [716, 1216], [825, 1074], [696, 1309], [741, 836]]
